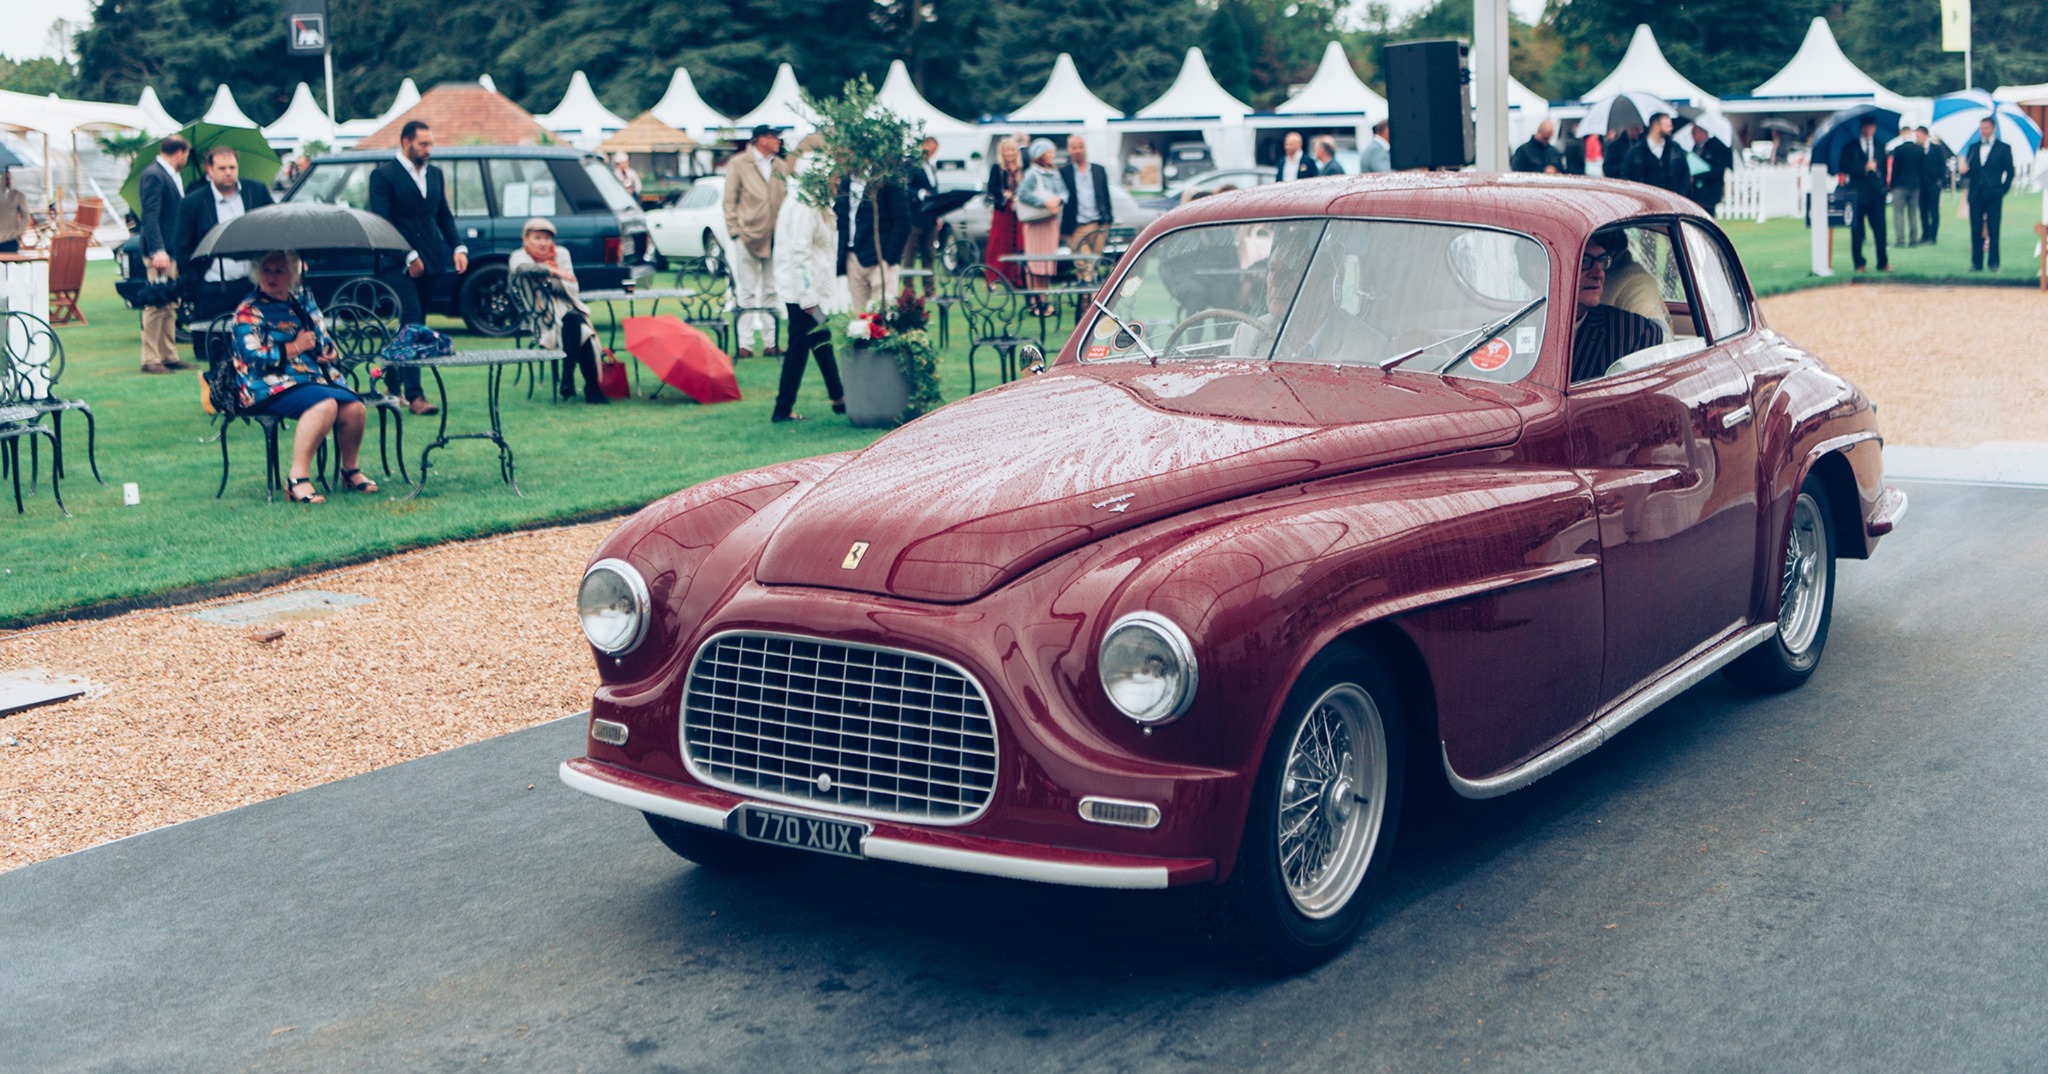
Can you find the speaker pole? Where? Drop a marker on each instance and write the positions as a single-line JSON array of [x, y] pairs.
[[1490, 83]]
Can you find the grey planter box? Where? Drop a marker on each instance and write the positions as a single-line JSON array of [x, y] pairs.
[[875, 390]]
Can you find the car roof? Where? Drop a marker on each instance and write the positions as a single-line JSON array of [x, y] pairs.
[[463, 152], [1560, 210]]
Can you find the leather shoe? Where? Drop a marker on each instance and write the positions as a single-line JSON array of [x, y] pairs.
[[176, 363], [785, 417], [155, 367], [773, 352], [421, 407], [744, 353]]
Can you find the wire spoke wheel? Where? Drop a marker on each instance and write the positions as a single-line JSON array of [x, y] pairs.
[[1803, 587], [1333, 793]]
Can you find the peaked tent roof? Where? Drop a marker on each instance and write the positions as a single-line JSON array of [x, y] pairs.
[[408, 95], [782, 107], [682, 108], [2022, 95], [463, 113], [153, 107], [1336, 88], [1066, 99], [581, 114], [1644, 68], [648, 134], [1820, 69], [304, 121], [225, 111], [486, 81], [1195, 93], [899, 95], [60, 117]]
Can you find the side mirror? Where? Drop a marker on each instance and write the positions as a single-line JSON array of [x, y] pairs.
[[1031, 359]]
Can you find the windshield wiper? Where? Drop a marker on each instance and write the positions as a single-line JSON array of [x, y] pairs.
[[1150, 354], [1485, 333]]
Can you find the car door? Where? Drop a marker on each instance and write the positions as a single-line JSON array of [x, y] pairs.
[[1665, 441]]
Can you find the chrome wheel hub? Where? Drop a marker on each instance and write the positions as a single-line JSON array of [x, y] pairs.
[[1802, 594]]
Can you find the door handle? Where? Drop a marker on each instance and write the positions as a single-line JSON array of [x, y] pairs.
[[1736, 417], [473, 233]]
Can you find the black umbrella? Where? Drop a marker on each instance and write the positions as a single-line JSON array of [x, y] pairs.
[[309, 227], [948, 200]]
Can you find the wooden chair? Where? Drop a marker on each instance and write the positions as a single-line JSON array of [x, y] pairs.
[[2041, 233], [67, 275], [86, 218]]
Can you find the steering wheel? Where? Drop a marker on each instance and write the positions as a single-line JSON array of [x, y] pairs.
[[1245, 319]]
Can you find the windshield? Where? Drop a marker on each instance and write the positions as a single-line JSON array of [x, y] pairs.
[[1433, 298], [608, 186]]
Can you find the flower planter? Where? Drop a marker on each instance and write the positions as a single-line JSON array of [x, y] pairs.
[[876, 392]]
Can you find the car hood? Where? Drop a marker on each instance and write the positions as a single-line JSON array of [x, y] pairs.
[[961, 501]]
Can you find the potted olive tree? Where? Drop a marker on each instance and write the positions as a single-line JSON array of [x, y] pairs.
[[889, 367]]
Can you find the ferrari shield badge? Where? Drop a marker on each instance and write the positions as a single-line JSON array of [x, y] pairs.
[[852, 560]]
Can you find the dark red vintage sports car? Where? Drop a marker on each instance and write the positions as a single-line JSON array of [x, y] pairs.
[[1334, 476]]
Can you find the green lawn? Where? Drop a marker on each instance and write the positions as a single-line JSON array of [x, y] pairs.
[[1777, 253], [574, 461]]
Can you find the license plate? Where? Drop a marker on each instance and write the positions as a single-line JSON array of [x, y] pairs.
[[801, 831]]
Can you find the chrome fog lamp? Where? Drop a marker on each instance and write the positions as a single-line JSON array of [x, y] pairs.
[[1147, 668], [612, 603]]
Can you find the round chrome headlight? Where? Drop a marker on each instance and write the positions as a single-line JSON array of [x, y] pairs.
[[1147, 668], [612, 603]]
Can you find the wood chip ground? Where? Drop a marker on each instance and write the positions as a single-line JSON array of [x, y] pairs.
[[468, 641]]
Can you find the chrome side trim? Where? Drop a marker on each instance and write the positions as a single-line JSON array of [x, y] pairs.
[[1129, 878], [1628, 711], [641, 800]]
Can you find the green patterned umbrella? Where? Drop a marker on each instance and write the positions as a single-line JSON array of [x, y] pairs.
[[259, 161]]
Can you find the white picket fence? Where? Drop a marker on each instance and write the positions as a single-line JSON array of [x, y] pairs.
[[1760, 193]]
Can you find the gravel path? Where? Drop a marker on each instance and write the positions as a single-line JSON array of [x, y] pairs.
[[467, 641]]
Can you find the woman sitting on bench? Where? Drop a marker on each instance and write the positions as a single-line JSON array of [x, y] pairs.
[[284, 359]]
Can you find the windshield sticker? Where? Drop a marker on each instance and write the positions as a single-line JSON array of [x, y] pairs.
[[1104, 328], [1100, 350], [1492, 356], [1525, 339], [1130, 287]]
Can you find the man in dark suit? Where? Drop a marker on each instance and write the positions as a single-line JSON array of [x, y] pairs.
[[1987, 175], [1909, 167], [1710, 186], [1538, 154], [1085, 213], [162, 189], [1933, 180], [1294, 164], [409, 192], [213, 285], [872, 273], [924, 225], [1657, 160], [1863, 165], [1325, 149]]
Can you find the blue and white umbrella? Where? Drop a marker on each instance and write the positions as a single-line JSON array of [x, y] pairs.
[[1838, 131], [1956, 119]]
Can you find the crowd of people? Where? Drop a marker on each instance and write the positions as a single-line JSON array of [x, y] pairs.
[[1909, 174]]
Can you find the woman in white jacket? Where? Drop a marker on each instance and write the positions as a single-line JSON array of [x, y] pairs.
[[806, 248]]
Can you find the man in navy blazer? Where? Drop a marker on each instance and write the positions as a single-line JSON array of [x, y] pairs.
[[872, 275], [162, 189], [924, 226], [1294, 164], [213, 285], [1987, 175], [408, 191]]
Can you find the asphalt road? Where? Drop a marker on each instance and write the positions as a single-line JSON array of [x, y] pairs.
[[1850, 877]]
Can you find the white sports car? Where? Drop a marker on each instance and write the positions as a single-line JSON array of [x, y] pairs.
[[694, 225]]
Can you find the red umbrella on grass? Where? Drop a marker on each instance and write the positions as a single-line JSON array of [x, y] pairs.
[[684, 357]]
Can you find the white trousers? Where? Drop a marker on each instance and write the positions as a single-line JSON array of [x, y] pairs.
[[867, 285], [753, 284]]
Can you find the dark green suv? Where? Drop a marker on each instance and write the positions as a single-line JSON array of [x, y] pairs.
[[492, 190]]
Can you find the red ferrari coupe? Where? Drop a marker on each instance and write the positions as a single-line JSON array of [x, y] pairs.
[[1333, 476]]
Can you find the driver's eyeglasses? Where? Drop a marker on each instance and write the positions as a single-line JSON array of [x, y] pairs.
[[1605, 261]]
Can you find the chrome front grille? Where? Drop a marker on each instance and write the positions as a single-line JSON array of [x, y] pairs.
[[873, 731]]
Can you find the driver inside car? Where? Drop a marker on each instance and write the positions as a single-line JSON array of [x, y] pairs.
[[1312, 325], [1604, 334]]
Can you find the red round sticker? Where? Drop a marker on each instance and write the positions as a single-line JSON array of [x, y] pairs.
[[1492, 356]]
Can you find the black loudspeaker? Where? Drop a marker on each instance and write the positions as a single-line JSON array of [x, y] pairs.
[[1429, 106]]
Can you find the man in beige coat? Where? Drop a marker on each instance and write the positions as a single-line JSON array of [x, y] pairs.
[[756, 181]]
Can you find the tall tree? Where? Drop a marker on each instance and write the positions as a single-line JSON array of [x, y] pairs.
[[1224, 43]]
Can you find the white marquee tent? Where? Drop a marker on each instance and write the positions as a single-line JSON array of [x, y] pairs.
[[1336, 89], [303, 122], [958, 140], [153, 107], [1818, 79], [224, 111], [1064, 106], [581, 118], [1644, 69], [684, 110], [1195, 108], [351, 131], [56, 137], [783, 107], [486, 81]]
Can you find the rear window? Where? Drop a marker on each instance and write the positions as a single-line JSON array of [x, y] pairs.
[[603, 190]]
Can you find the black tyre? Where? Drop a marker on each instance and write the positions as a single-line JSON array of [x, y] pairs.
[[486, 302], [1806, 599], [1320, 831], [709, 848]]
